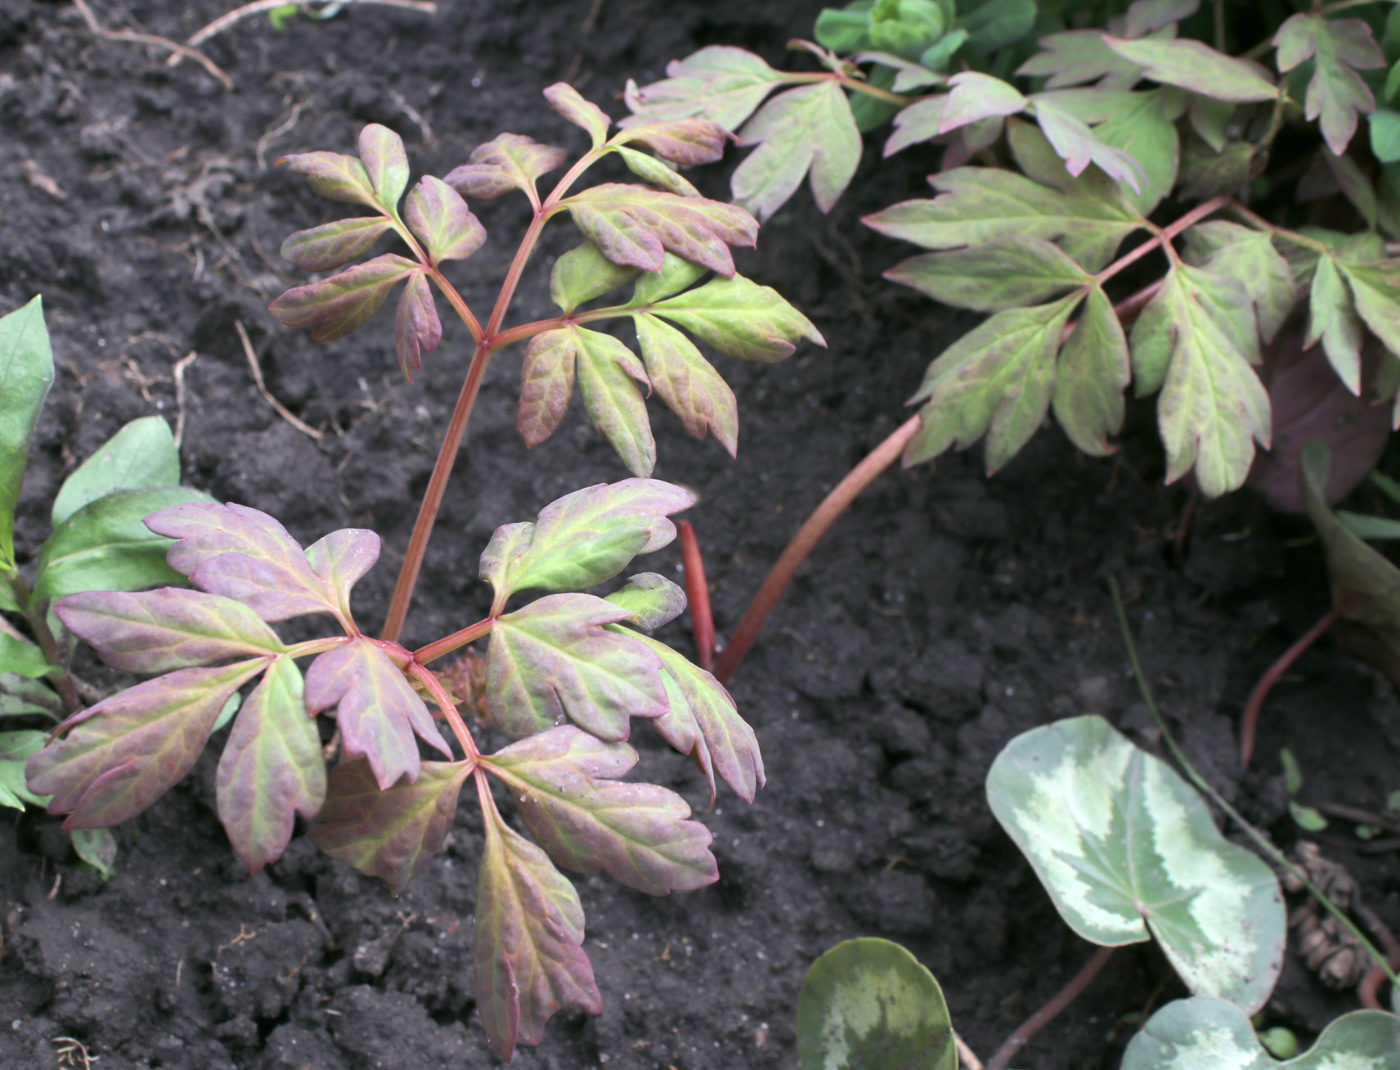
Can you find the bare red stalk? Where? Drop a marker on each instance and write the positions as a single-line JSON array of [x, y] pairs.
[[1250, 720], [449, 643], [802, 544], [697, 592], [1041, 1018], [444, 701]]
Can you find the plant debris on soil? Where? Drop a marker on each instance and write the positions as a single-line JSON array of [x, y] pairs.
[[945, 614]]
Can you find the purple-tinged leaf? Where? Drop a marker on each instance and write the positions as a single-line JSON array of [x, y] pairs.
[[1078, 146], [564, 782], [567, 101], [243, 554], [128, 750], [1336, 93], [388, 833], [583, 538], [376, 708], [343, 303], [272, 768], [333, 176], [582, 274], [509, 161], [386, 164], [659, 174], [704, 723], [1148, 16], [436, 213], [973, 97], [333, 245], [1197, 67], [546, 384], [529, 941], [920, 121], [417, 329], [651, 598], [608, 374], [341, 558], [719, 83], [1077, 57], [687, 382], [170, 628], [1248, 255], [684, 142], [740, 319], [635, 226], [804, 131], [554, 660], [1090, 376], [1000, 273]]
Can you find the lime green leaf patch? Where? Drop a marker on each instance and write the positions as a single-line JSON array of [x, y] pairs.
[[26, 373], [998, 274], [1336, 93]]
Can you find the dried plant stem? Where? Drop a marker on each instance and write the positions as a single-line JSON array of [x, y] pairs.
[[256, 367], [178, 49], [223, 22], [1250, 720], [965, 1054], [697, 593], [1037, 1021], [179, 369]]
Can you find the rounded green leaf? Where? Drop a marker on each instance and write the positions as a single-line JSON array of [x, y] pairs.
[[869, 1005], [26, 373], [141, 454], [1127, 850]]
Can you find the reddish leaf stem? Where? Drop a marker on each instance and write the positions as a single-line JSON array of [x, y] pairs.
[[1041, 1018], [444, 701], [1164, 236], [447, 644], [697, 592], [1250, 720], [802, 544]]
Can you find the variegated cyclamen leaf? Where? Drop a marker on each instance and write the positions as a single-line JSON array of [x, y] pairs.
[[128, 750], [1197, 67], [333, 176], [546, 383], [651, 598], [608, 378], [565, 783], [436, 213], [244, 554], [1203, 1032], [704, 723], [554, 660], [1336, 93], [386, 164], [740, 318], [1128, 851], [1091, 374], [529, 941], [804, 131], [506, 162], [683, 142], [169, 628], [16, 748], [377, 710], [1002, 273], [391, 832], [687, 382], [333, 245], [659, 174], [341, 558], [569, 103], [582, 274], [635, 226], [343, 303], [141, 454], [417, 329], [584, 538], [272, 767]]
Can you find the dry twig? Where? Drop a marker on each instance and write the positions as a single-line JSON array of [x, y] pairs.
[[175, 47], [966, 1054], [223, 22], [179, 373], [282, 410]]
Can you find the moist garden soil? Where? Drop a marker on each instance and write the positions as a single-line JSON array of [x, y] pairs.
[[943, 615]]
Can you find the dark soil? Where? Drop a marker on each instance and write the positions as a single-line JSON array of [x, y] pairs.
[[946, 613]]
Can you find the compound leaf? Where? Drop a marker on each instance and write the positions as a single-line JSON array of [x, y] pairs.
[[1211, 1032], [564, 782], [1091, 375], [1230, 250], [719, 83], [386, 164], [507, 162], [529, 941], [340, 559], [1079, 56], [333, 176], [106, 545], [128, 750], [343, 303], [272, 767], [333, 245], [244, 554], [377, 710], [683, 142], [16, 749], [1079, 147], [1376, 288], [391, 832], [582, 274], [567, 101], [635, 226], [26, 373], [740, 318], [169, 628], [996, 380], [546, 383], [583, 538], [1001, 273], [1128, 851], [920, 121], [1336, 93], [1332, 319], [554, 659], [1140, 129], [651, 598], [687, 382], [1197, 67], [417, 329], [436, 213], [807, 129], [608, 374], [141, 454]]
